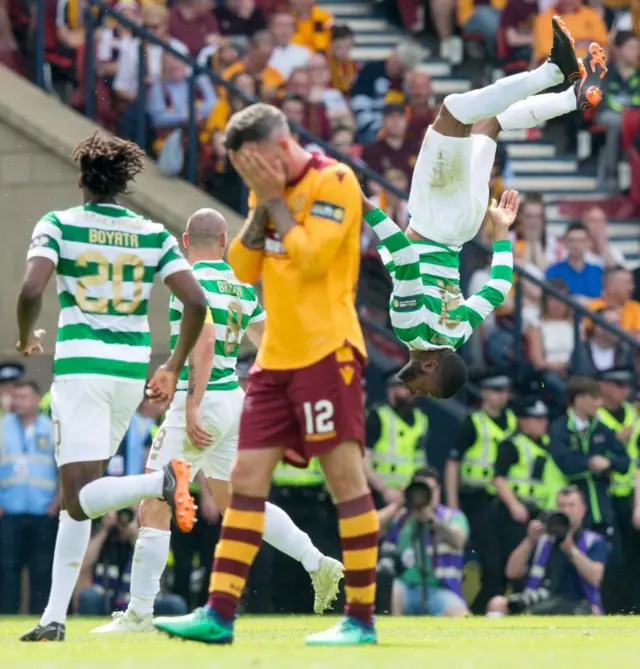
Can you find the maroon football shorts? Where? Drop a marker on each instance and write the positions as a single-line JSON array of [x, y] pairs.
[[308, 411]]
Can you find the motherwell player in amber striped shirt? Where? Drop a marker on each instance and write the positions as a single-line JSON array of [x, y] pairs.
[[304, 399]]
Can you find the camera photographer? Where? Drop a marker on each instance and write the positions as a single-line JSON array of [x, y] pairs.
[[423, 549], [103, 585], [565, 564]]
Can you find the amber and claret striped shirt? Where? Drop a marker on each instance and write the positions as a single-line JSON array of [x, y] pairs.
[[309, 277], [314, 32]]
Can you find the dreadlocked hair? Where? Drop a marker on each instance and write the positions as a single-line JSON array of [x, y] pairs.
[[108, 164]]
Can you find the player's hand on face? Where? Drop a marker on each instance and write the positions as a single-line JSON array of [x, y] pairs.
[[267, 179], [200, 437], [504, 214], [33, 346], [162, 385]]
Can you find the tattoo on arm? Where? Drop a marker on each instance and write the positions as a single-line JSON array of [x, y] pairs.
[[280, 215], [192, 376], [252, 234]]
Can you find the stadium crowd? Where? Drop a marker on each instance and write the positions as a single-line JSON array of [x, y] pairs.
[[559, 440]]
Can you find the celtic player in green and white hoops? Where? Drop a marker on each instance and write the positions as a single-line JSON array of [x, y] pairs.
[[428, 311], [105, 258]]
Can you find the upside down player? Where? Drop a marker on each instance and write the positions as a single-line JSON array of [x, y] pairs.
[[448, 202], [305, 392]]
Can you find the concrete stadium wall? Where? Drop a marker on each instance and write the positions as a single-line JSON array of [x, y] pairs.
[[37, 175]]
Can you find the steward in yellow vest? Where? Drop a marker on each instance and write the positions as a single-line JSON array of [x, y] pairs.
[[620, 416], [396, 441], [468, 477], [526, 477]]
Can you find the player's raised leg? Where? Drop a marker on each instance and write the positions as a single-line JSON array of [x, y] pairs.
[[585, 94], [467, 108]]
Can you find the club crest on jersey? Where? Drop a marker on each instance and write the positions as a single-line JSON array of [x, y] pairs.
[[327, 210], [39, 240]]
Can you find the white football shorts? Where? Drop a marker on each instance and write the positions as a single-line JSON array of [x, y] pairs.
[[450, 187], [91, 415], [220, 416]]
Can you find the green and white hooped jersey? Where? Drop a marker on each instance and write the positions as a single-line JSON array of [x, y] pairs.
[[106, 258], [232, 307], [428, 310]]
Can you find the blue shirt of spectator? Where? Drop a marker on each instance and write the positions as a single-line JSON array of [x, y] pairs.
[[129, 459], [581, 277], [28, 472]]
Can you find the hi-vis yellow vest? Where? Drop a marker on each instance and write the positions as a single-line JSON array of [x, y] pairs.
[[476, 468], [537, 490], [397, 453], [286, 475], [622, 485]]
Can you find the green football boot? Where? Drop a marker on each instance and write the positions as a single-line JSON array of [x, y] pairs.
[[203, 625], [348, 632]]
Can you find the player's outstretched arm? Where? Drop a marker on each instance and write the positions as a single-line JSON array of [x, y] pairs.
[[247, 249], [38, 274], [494, 292]]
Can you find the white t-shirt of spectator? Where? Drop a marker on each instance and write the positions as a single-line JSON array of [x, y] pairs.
[[334, 101], [110, 45], [126, 79], [286, 59], [603, 358]]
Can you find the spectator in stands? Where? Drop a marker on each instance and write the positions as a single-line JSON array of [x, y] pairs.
[[479, 17], [156, 20], [333, 100], [622, 91], [293, 107], [381, 82], [223, 54], [220, 178], [168, 99], [29, 503], [240, 17], [343, 68], [286, 56], [442, 17], [393, 149], [617, 293], [316, 119], [550, 339], [112, 38], [105, 576], [535, 245], [9, 55], [626, 20], [420, 111], [65, 37], [313, 25], [603, 350], [192, 22], [582, 278], [256, 62], [584, 23], [516, 30], [395, 207], [342, 140], [601, 252]]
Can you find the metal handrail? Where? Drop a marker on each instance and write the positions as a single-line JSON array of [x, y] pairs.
[[197, 70]]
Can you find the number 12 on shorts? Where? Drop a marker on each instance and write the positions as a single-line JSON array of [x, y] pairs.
[[318, 420]]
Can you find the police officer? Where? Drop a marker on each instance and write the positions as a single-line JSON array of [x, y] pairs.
[[10, 373], [526, 477], [619, 415], [28, 500], [469, 477], [587, 452], [396, 443]]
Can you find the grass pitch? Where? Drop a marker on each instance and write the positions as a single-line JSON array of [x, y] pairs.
[[278, 643]]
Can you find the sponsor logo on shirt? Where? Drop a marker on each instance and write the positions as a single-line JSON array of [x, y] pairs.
[[327, 210]]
